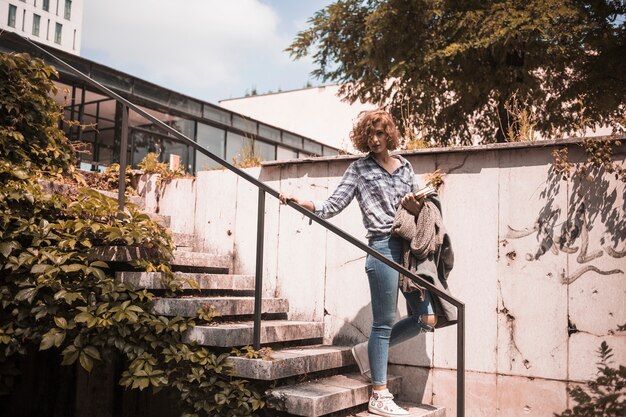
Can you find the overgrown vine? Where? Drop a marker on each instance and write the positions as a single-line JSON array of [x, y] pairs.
[[55, 295]]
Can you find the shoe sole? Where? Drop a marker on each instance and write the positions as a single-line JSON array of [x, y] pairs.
[[378, 413]]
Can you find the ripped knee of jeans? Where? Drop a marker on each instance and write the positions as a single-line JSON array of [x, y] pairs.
[[425, 319]]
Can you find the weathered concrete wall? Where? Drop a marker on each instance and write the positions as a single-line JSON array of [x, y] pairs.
[[539, 262]]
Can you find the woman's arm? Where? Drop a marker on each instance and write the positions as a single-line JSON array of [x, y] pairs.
[[341, 197], [307, 204]]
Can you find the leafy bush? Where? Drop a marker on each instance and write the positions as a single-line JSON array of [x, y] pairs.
[[28, 116], [605, 396], [151, 165], [55, 295]]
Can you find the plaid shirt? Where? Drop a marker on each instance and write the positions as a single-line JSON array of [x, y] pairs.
[[377, 191]]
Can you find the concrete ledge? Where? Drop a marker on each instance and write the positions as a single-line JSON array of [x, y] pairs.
[[293, 361], [324, 396], [182, 240], [197, 260], [226, 306], [154, 280], [240, 334], [201, 260]]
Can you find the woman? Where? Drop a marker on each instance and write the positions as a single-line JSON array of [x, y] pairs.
[[380, 182]]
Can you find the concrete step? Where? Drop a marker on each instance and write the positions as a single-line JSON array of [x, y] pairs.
[[203, 281], [240, 333], [323, 396], [120, 253], [415, 410], [182, 240], [164, 221], [225, 306], [201, 261], [293, 361]]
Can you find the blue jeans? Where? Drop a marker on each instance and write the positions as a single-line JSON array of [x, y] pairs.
[[384, 291]]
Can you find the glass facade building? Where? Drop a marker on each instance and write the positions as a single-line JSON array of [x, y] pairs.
[[223, 132]]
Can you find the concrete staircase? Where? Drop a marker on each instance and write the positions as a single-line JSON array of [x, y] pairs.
[[301, 376]]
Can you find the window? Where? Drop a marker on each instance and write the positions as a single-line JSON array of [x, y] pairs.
[[36, 22], [57, 33], [12, 13], [23, 19], [68, 9], [48, 30], [264, 150], [46, 5], [212, 139], [74, 40]]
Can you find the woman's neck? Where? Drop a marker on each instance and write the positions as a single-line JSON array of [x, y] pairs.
[[382, 157]]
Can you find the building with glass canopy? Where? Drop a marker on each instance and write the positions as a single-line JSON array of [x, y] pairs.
[[99, 122]]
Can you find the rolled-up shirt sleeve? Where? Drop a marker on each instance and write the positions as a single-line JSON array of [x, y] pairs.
[[341, 197]]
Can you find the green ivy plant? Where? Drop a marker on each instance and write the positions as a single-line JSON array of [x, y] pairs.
[[55, 295], [604, 395]]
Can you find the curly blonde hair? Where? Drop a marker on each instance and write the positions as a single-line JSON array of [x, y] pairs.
[[364, 128]]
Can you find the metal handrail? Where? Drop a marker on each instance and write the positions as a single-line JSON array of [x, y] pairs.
[[263, 188]]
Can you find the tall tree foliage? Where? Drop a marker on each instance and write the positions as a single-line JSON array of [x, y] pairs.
[[449, 68]]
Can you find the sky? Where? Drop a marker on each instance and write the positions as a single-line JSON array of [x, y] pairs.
[[207, 49]]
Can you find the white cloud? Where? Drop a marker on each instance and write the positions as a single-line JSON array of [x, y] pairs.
[[198, 47]]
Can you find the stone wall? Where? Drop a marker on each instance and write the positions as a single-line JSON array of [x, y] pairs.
[[539, 263]]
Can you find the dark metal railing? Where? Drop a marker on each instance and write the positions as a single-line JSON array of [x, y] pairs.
[[263, 189]]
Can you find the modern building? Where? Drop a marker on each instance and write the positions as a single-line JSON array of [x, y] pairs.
[[321, 114], [225, 133], [56, 23]]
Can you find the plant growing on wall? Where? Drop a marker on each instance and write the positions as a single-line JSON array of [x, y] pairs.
[[602, 396], [435, 179], [248, 158], [55, 295]]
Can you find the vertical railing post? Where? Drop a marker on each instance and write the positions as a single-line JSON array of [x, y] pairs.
[[123, 158], [460, 362], [258, 282]]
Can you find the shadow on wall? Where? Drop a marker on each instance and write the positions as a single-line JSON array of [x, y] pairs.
[[593, 202], [413, 351]]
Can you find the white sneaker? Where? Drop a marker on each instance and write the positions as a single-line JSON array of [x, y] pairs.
[[381, 403], [362, 359]]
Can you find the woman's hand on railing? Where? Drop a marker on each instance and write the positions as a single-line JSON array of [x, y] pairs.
[[307, 204]]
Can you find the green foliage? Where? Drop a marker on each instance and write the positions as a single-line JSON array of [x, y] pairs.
[[55, 294], [109, 179], [248, 158], [28, 116], [435, 179], [455, 65], [599, 153], [207, 313], [264, 353], [151, 165], [604, 396]]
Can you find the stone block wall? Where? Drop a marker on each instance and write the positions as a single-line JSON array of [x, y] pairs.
[[539, 263]]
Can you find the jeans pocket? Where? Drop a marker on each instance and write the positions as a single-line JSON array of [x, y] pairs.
[[369, 263]]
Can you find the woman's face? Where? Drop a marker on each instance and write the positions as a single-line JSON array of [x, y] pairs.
[[377, 140]]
